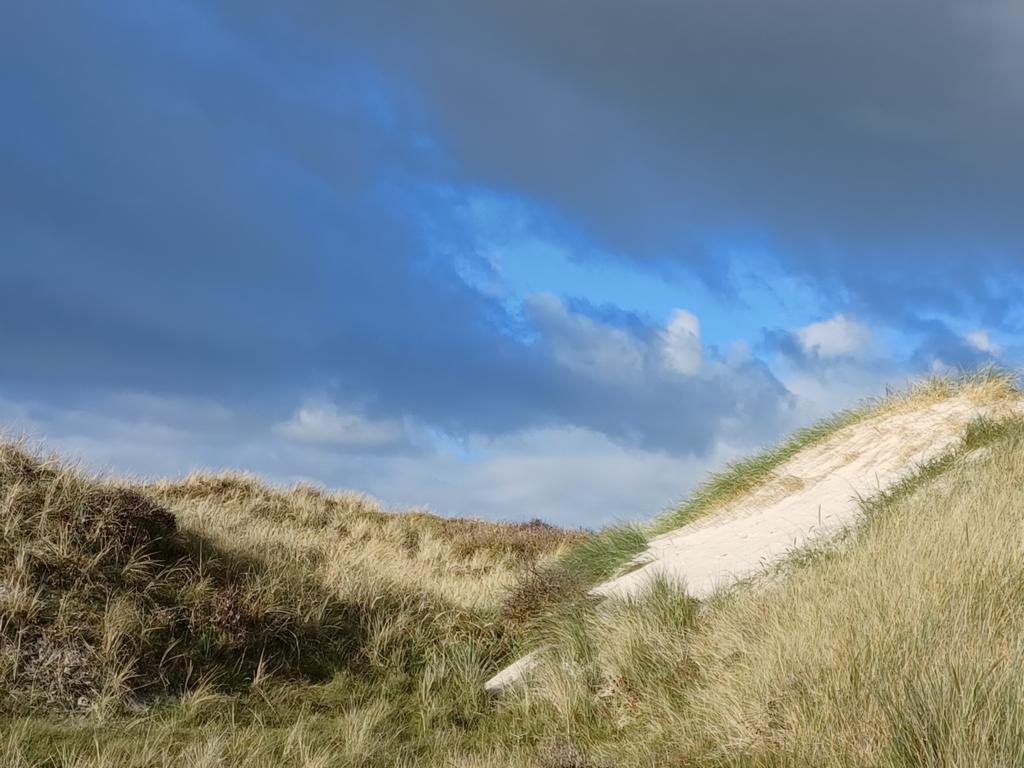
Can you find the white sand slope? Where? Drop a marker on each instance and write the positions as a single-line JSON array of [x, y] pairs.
[[813, 495]]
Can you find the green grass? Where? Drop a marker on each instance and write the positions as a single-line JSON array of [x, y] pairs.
[[599, 557]]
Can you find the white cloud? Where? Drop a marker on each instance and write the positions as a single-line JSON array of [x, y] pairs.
[[603, 352], [681, 345], [581, 344], [576, 475], [836, 337], [980, 341], [821, 392], [133, 433], [321, 422], [566, 475], [656, 388]]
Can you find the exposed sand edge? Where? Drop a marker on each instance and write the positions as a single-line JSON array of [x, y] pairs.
[[813, 495]]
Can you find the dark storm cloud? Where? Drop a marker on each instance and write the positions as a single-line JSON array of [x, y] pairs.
[[194, 206], [873, 145]]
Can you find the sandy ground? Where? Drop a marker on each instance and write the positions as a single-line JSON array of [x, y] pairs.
[[813, 495]]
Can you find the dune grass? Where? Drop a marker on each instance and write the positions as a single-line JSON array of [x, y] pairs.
[[164, 624], [897, 645], [219, 622]]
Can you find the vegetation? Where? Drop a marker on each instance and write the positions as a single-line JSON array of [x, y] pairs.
[[217, 621], [896, 646], [217, 612]]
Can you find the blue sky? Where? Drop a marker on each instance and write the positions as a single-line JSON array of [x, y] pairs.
[[505, 260]]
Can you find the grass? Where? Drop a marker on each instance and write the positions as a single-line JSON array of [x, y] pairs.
[[218, 622], [898, 646], [167, 614]]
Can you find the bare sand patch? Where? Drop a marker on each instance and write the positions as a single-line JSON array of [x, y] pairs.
[[813, 495]]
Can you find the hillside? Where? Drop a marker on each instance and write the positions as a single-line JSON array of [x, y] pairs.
[[217, 621], [177, 606]]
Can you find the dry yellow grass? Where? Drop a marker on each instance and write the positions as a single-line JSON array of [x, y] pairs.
[[907, 648], [217, 619], [899, 646], [356, 550]]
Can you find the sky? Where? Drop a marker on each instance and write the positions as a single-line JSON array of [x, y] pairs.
[[509, 260]]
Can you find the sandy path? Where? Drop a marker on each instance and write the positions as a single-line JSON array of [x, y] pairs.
[[813, 495]]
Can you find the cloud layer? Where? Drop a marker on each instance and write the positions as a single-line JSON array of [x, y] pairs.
[[275, 212], [873, 145]]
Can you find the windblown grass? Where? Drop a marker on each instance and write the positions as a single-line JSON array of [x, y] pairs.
[[897, 646], [103, 599], [351, 547], [219, 619], [218, 622]]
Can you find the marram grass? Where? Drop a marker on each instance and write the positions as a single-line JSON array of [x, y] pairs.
[[217, 622]]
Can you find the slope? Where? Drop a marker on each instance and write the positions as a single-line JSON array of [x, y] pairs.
[[750, 517], [300, 628]]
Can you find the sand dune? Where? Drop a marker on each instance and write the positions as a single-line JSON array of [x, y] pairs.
[[812, 496]]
